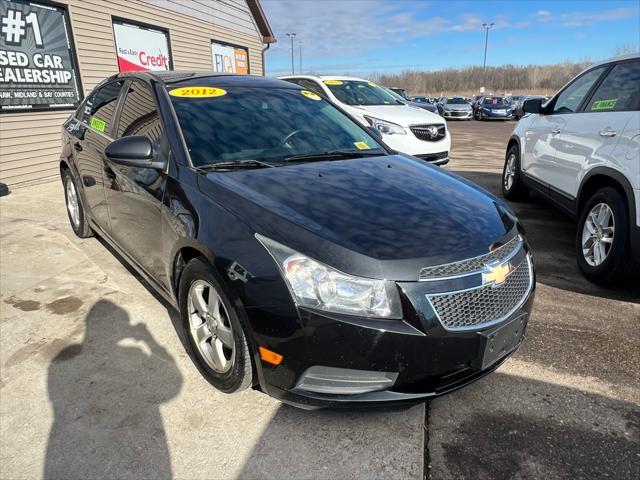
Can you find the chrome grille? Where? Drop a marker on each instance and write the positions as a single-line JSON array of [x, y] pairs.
[[422, 132], [473, 265], [485, 305]]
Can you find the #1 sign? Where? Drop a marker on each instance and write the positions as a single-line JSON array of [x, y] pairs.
[[37, 66]]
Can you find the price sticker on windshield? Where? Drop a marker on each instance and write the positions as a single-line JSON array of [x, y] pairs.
[[362, 145], [371, 84], [197, 92], [332, 82], [311, 95]]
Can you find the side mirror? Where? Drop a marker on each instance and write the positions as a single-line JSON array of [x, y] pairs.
[[375, 133], [135, 151], [533, 105]]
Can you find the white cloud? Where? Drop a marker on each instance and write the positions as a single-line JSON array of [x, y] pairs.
[[586, 19], [330, 28]]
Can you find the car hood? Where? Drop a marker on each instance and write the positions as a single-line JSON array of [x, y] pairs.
[[403, 115], [377, 217], [424, 106], [491, 106]]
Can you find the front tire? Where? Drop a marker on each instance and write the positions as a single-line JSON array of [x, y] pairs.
[[512, 186], [602, 237], [75, 210], [215, 334]]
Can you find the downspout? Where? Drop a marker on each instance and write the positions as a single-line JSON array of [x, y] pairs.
[[263, 66]]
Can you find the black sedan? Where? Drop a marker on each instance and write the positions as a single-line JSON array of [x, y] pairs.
[[305, 258]]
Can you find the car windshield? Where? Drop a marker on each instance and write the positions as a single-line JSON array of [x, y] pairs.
[[395, 95], [360, 92], [494, 101], [457, 101], [264, 124]]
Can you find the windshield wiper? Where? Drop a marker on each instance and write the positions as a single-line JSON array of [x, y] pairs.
[[334, 155], [247, 163]]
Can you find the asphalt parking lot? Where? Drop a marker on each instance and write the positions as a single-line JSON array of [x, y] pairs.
[[95, 383]]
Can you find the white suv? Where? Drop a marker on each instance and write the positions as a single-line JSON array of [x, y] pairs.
[[404, 128], [581, 150]]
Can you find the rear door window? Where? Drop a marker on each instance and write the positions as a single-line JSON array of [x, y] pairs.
[[619, 91], [99, 109]]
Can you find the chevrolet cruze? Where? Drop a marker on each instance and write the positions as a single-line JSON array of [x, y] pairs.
[[307, 259]]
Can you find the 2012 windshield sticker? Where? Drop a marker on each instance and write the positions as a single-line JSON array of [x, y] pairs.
[[362, 145], [97, 124], [604, 104], [311, 95], [197, 92]]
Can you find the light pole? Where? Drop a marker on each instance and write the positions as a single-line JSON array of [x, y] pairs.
[[291, 35], [487, 27], [300, 52]]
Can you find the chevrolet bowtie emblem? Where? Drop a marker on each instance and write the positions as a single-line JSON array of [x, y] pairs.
[[496, 274]]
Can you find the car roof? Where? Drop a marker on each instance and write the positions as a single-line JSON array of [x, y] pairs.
[[191, 78], [615, 59]]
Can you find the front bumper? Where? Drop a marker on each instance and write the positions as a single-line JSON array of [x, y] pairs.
[[412, 145], [416, 358], [492, 115], [457, 114]]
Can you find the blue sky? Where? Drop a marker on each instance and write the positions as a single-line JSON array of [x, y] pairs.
[[367, 36]]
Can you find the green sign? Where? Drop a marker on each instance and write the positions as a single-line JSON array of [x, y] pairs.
[[97, 124], [604, 104]]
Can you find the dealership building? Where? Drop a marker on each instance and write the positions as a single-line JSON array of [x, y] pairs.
[[53, 53]]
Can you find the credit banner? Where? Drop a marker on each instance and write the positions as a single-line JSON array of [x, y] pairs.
[[37, 64], [141, 48], [229, 59]]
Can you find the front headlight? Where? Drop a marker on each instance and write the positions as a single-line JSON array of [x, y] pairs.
[[319, 286], [386, 128]]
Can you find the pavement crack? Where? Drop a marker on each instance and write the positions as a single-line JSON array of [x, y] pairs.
[[426, 464]]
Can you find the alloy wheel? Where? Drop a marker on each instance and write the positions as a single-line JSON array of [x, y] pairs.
[[597, 234], [509, 172], [73, 205], [210, 327]]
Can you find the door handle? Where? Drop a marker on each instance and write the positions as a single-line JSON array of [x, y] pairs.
[[607, 132], [555, 131], [77, 146]]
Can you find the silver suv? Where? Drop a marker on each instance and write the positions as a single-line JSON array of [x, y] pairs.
[[581, 150]]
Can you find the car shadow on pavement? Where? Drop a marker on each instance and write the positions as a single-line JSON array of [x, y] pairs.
[[551, 235], [106, 394], [539, 430]]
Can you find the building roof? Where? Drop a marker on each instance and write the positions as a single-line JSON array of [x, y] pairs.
[[261, 20]]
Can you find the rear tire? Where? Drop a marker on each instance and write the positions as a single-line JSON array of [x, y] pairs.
[[215, 335], [75, 210], [603, 245], [512, 186]]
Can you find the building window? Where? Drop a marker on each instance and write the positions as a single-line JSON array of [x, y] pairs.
[[141, 47], [38, 68], [229, 58]]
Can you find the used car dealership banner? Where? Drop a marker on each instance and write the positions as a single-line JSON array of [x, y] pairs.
[[37, 67], [141, 48]]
